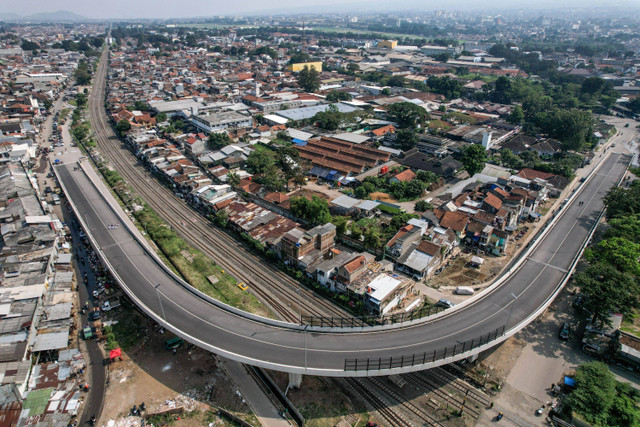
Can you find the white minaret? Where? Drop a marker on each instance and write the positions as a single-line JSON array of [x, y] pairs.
[[486, 139]]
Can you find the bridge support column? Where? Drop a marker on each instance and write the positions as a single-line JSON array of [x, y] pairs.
[[295, 380]]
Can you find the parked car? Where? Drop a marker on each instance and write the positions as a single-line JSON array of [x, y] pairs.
[[444, 303], [564, 331], [110, 305], [94, 315]]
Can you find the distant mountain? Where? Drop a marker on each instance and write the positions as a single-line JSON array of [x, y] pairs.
[[9, 17], [59, 16]]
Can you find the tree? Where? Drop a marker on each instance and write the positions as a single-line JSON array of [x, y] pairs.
[[422, 206], [273, 179], [608, 290], [82, 74], [406, 139], [315, 210], [502, 91], [259, 161], [330, 119], [218, 140], [123, 127], [81, 100], [624, 411], [427, 177], [372, 238], [80, 132], [621, 201], [634, 105], [572, 127], [399, 220], [408, 114], [595, 392], [510, 160], [141, 106], [47, 104], [474, 157], [299, 180], [233, 179], [161, 117], [618, 252], [309, 79], [29, 45], [341, 224], [352, 68], [446, 86], [627, 227], [298, 57], [335, 96], [517, 116], [361, 192]]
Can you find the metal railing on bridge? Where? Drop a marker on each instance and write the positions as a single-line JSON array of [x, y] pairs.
[[345, 322], [376, 364]]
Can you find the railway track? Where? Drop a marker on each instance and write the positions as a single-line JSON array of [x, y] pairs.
[[409, 407], [452, 400], [461, 385], [389, 415], [286, 297]]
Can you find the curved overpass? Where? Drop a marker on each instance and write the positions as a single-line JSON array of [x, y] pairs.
[[467, 329]]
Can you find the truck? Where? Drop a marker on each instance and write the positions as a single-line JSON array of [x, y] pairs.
[[87, 333], [110, 305], [173, 343], [464, 290]]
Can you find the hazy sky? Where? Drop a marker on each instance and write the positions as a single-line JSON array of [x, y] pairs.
[[97, 9]]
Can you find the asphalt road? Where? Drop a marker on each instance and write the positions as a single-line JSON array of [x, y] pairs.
[[94, 401], [289, 349], [97, 372]]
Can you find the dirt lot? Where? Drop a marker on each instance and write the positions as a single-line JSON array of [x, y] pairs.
[[162, 380], [459, 272], [383, 197], [313, 188]]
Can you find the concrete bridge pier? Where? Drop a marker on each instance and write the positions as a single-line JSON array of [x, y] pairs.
[[295, 380]]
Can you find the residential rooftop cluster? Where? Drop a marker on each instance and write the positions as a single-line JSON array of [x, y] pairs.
[[40, 361], [39, 354], [231, 123]]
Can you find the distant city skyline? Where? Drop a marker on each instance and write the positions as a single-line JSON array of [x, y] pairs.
[[121, 9]]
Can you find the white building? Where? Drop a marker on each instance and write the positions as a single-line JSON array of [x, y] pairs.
[[221, 120]]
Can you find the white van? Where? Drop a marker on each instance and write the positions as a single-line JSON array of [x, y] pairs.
[[464, 290]]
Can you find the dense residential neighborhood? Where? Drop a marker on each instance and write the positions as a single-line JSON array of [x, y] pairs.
[[393, 167]]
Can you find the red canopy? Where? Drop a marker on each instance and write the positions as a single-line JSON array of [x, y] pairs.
[[115, 353]]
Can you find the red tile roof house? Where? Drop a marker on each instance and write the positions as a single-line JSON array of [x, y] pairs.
[[350, 271], [456, 222], [405, 176]]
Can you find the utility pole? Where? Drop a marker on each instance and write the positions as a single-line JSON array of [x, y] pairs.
[[464, 401], [160, 301]]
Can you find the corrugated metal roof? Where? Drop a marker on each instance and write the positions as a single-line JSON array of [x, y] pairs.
[[51, 341]]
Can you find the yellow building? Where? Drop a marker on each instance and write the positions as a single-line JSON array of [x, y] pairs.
[[300, 65], [388, 44]]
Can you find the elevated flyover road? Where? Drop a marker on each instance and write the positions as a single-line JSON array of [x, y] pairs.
[[364, 351]]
